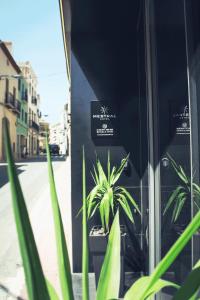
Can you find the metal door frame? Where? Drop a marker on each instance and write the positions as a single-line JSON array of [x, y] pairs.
[[154, 164]]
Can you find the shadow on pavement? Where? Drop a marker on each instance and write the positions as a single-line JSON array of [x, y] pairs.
[[24, 162], [42, 159], [9, 293], [4, 175]]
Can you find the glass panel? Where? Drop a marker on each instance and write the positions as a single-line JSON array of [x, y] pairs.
[[170, 87], [192, 9]]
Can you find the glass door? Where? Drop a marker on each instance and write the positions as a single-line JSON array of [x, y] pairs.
[[192, 18], [169, 134]]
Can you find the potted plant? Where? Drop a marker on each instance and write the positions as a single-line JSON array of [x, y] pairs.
[[105, 199]]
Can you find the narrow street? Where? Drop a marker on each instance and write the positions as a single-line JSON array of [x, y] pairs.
[[34, 180]]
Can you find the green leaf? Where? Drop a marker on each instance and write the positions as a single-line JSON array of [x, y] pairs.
[[125, 207], [105, 211], [120, 170], [91, 200], [61, 245], [184, 175], [112, 175], [94, 210], [102, 176], [111, 199], [141, 284], [109, 281], [96, 176], [172, 198], [181, 202], [179, 170], [102, 214], [35, 280], [85, 254], [128, 195], [191, 285], [52, 292]]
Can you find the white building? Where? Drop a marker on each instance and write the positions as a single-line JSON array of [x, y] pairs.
[[33, 108], [59, 132]]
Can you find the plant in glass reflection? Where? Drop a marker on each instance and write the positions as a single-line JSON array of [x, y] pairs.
[[106, 196], [182, 193]]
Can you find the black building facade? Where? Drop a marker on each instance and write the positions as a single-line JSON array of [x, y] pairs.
[[140, 61]]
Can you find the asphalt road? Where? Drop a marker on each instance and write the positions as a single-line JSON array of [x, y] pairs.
[[34, 180]]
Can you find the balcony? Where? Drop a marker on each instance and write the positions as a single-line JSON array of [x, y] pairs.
[[25, 96], [17, 107], [12, 103], [34, 125], [9, 100], [34, 100]]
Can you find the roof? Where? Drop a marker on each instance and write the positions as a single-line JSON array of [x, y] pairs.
[[10, 57]]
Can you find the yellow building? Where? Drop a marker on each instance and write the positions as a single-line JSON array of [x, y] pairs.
[[33, 108], [9, 104]]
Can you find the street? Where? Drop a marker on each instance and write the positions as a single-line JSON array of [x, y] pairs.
[[33, 176]]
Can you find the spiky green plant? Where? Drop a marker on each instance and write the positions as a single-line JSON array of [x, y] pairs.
[[182, 193], [106, 196], [108, 288]]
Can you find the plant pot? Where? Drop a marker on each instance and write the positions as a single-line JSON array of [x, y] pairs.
[[98, 244]]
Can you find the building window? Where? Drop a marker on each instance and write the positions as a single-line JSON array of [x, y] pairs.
[[14, 93], [19, 84], [7, 88], [26, 117], [22, 116], [23, 90]]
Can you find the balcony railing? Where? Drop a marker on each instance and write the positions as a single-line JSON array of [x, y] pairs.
[[25, 96], [34, 125], [9, 100], [34, 100], [12, 103]]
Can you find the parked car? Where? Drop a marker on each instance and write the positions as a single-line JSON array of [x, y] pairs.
[[54, 149]]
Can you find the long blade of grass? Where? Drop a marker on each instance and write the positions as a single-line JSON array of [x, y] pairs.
[[35, 280], [191, 285], [109, 281], [62, 252], [85, 254]]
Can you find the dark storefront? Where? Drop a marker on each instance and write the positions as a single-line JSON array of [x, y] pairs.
[[138, 62]]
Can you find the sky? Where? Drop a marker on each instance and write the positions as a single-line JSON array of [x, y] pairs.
[[34, 27]]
